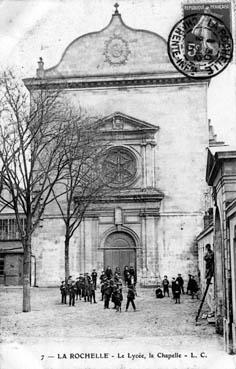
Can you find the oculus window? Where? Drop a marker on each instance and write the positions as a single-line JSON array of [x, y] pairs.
[[119, 167]]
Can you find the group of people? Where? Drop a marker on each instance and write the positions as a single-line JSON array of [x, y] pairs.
[[83, 287], [177, 287], [111, 285]]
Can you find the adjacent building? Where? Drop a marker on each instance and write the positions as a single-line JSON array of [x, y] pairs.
[[221, 176]]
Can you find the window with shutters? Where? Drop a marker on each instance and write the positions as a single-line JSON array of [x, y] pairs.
[[9, 229]]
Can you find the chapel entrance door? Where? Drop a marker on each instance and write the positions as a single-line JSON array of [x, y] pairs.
[[119, 258], [120, 250]]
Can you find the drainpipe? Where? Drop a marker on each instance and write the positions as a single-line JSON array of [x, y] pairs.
[[35, 271]]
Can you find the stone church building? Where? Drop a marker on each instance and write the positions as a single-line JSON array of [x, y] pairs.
[[157, 122]]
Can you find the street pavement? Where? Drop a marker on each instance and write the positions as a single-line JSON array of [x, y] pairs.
[[160, 334]]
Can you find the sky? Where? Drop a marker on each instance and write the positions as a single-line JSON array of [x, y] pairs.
[[33, 28]]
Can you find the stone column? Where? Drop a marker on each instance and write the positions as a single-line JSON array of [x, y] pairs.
[[95, 241], [143, 245], [144, 165], [151, 247], [89, 242], [150, 163]]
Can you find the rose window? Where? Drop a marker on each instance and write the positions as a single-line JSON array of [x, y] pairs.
[[119, 167]]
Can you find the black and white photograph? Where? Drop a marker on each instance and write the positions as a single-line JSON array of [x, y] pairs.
[[117, 184]]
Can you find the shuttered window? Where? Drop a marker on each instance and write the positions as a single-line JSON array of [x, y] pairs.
[[9, 229]]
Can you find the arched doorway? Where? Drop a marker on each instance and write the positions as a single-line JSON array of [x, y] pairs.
[[119, 250]]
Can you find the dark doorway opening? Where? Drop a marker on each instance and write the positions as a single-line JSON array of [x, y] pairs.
[[120, 250]]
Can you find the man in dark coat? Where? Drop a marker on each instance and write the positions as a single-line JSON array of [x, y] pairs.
[[118, 298], [107, 291], [194, 288], [94, 278], [129, 279], [173, 287], [91, 292], [72, 290], [102, 280], [108, 272], [180, 280], [86, 287], [209, 259], [63, 292], [130, 298], [79, 285]]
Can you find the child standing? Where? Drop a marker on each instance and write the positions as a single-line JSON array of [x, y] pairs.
[[91, 290], [72, 289], [173, 287], [107, 291], [63, 292], [177, 291], [130, 297], [181, 283], [118, 298], [94, 278], [165, 284]]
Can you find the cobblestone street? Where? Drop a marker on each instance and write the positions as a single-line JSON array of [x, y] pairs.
[[158, 327]]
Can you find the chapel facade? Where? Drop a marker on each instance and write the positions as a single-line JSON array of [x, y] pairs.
[[156, 122]]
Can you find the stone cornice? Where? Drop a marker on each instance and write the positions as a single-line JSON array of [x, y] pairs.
[[130, 196], [215, 161], [109, 81]]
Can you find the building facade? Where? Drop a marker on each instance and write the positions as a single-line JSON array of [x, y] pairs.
[[207, 234], [221, 176], [157, 123]]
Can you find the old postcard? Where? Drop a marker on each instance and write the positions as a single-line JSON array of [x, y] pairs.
[[118, 184]]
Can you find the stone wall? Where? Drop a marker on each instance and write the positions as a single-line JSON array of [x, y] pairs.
[[231, 216], [179, 160]]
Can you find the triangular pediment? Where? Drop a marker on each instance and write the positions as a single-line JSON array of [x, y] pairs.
[[119, 122]]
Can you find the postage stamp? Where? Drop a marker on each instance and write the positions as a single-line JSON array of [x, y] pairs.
[[200, 46]]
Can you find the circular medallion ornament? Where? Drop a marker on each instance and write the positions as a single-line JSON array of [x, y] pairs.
[[116, 50], [200, 46], [119, 167]]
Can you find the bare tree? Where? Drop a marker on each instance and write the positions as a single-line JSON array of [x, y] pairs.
[[31, 138], [84, 150]]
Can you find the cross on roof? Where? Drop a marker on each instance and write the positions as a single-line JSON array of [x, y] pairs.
[[116, 5]]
